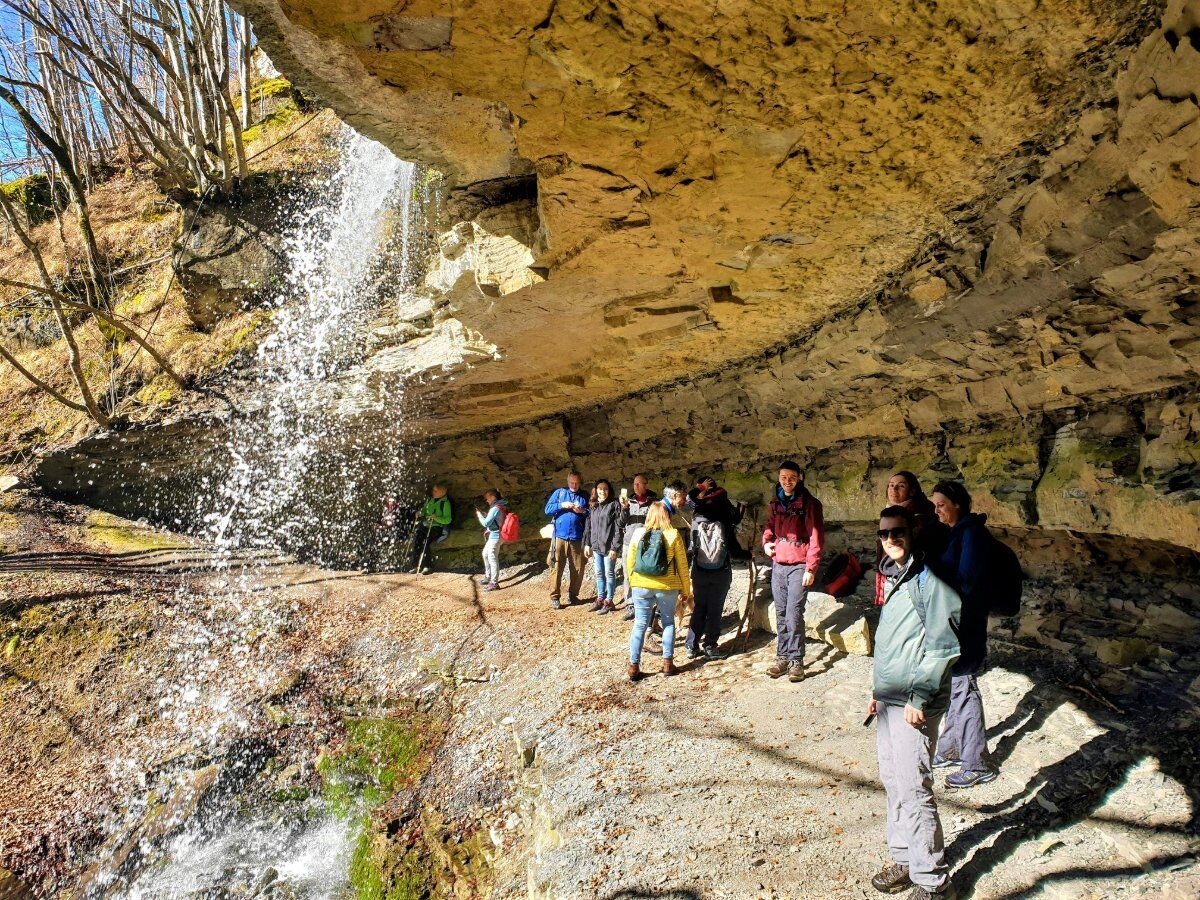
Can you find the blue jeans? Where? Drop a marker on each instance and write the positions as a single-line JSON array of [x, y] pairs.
[[606, 576], [644, 603]]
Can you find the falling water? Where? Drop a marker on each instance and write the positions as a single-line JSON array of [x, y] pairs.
[[345, 247], [356, 246]]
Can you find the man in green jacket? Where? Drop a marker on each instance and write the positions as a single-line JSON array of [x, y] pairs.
[[433, 527], [916, 643]]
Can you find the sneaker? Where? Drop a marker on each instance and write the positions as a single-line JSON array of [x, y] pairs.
[[554, 603], [920, 893], [693, 652], [571, 601], [948, 761], [714, 653], [779, 669], [892, 879], [490, 586], [957, 781], [796, 671], [427, 571]]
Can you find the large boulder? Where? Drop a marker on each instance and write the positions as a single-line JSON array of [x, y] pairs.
[[842, 625]]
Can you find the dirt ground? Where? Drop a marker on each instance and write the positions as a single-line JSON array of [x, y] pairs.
[[123, 651]]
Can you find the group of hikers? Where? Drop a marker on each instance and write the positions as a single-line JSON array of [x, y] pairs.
[[939, 575]]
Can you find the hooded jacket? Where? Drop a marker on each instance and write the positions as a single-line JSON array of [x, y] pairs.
[[797, 526], [494, 519], [963, 565], [916, 641], [568, 524], [603, 530], [437, 511]]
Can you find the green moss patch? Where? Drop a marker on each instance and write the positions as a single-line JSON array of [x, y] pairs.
[[122, 536]]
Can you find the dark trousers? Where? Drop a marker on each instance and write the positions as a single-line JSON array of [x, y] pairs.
[[710, 587], [964, 730], [427, 536], [790, 594]]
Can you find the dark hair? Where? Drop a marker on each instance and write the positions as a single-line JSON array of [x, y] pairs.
[[914, 486], [637, 475], [677, 486], [898, 512], [491, 492], [601, 481], [791, 466], [955, 493]]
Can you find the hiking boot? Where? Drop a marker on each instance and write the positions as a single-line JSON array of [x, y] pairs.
[[694, 652], [957, 781], [597, 606], [892, 879], [571, 601], [949, 761], [628, 617], [635, 672], [796, 671], [669, 667], [554, 603], [713, 653], [779, 669], [606, 607], [920, 893]]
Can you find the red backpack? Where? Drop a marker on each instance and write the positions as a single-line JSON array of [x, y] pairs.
[[510, 528]]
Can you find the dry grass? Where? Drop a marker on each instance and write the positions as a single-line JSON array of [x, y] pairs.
[[135, 225]]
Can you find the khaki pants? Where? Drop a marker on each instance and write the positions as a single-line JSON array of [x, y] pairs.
[[567, 554]]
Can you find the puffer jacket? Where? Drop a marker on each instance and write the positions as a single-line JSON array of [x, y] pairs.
[[676, 578], [603, 530], [916, 642], [797, 527]]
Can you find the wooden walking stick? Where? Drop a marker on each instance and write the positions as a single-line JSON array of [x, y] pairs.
[[753, 568]]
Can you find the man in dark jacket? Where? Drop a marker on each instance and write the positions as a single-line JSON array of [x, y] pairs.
[[568, 508], [793, 538], [916, 644]]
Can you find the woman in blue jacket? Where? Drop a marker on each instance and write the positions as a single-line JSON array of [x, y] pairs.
[[962, 564]]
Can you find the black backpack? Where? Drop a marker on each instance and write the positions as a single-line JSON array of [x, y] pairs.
[[708, 544], [1004, 578]]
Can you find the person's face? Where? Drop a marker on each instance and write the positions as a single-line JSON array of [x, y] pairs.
[[898, 490], [601, 492], [639, 485], [788, 480], [439, 492], [672, 496], [573, 482], [947, 510], [895, 537]]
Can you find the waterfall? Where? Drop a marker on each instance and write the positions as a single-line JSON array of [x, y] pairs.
[[356, 246], [358, 234]]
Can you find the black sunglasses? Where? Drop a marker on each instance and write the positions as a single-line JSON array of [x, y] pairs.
[[893, 533]]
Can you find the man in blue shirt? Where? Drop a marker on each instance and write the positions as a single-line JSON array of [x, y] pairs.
[[568, 508]]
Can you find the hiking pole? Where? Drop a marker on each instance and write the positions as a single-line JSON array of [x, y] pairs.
[[407, 549], [749, 606]]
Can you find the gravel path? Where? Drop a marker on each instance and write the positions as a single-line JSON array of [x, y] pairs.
[[717, 783]]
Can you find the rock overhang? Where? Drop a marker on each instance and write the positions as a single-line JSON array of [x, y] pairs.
[[711, 180]]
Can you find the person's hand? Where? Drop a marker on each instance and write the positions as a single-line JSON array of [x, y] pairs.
[[809, 578], [612, 554], [625, 502], [769, 549], [587, 551], [913, 716], [873, 707], [568, 506]]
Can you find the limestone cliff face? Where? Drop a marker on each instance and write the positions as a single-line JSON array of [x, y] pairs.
[[711, 179], [967, 245]]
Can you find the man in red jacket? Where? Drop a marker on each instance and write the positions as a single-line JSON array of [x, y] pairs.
[[793, 537]]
